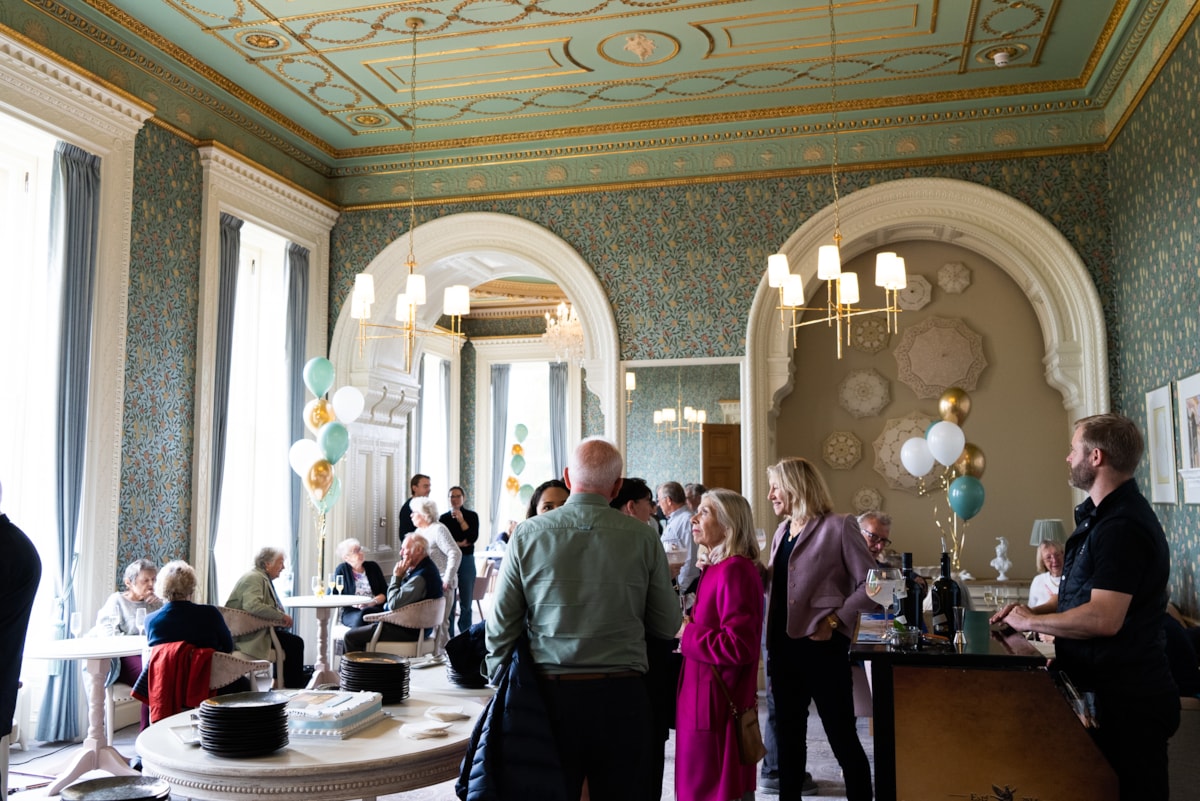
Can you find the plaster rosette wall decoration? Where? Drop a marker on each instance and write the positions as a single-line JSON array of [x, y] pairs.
[[864, 393], [954, 277], [938, 353], [842, 450], [869, 335], [896, 432], [916, 295], [867, 499]]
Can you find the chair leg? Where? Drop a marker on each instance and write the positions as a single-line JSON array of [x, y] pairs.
[[4, 766]]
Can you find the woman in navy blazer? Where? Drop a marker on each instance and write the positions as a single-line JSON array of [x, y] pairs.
[[359, 577], [816, 586]]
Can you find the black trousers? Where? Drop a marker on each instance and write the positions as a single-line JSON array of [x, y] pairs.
[[293, 658], [603, 729], [357, 639], [801, 672], [1133, 734]]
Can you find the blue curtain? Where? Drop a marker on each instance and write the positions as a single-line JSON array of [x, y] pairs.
[[231, 245], [558, 417], [499, 436], [297, 332], [75, 215]]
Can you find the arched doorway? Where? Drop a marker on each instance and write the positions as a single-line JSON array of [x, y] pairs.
[[1005, 231]]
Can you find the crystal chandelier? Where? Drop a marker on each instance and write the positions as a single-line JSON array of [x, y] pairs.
[[564, 334], [457, 301], [841, 288]]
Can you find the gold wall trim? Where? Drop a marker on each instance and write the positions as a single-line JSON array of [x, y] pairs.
[[242, 157], [171, 129]]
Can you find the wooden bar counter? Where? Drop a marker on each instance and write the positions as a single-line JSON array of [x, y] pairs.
[[981, 723]]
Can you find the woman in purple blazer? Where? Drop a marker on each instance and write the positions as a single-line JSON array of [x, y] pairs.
[[816, 586], [723, 631]]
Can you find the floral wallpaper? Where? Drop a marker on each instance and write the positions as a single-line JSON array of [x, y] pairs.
[[1155, 166], [160, 366]]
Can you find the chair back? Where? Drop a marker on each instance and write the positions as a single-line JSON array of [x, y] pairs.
[[484, 583], [241, 622], [227, 668]]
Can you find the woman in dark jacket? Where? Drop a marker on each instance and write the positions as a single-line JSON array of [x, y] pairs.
[[359, 577]]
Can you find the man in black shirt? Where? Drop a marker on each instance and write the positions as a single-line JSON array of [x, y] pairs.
[[1108, 616], [419, 486], [463, 525]]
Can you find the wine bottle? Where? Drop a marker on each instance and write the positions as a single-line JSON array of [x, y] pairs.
[[910, 605], [946, 596]]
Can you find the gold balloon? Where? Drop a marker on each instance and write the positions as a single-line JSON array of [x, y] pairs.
[[317, 412], [954, 405], [971, 462], [319, 479]]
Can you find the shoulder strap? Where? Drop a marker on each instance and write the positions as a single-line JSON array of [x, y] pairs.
[[724, 690]]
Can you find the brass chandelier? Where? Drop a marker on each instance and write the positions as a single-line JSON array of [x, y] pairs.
[[457, 300], [841, 288]]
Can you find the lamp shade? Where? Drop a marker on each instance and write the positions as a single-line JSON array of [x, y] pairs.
[[415, 289], [777, 270], [884, 268], [829, 262], [793, 290], [848, 288], [457, 300], [1047, 531], [630, 382], [364, 288]]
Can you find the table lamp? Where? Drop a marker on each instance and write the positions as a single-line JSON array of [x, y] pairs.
[[1047, 531]]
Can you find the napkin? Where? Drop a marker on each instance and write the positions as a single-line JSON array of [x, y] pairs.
[[422, 731], [446, 713]]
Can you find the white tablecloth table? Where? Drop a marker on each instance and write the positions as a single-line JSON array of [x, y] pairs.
[[324, 604], [374, 762], [95, 753]]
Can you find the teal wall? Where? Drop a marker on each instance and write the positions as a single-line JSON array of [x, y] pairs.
[[1155, 166]]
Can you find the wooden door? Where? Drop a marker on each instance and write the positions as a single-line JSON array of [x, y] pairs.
[[721, 456]]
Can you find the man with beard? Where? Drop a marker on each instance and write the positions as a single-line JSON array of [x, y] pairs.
[[1107, 618]]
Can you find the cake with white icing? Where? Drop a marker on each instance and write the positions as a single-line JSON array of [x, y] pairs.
[[331, 713]]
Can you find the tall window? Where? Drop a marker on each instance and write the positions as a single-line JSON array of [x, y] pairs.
[[29, 310], [433, 427], [255, 489], [528, 414]]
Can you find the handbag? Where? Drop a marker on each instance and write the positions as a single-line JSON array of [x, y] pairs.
[[749, 737]]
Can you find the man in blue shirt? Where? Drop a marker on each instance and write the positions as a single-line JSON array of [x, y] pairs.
[[1107, 617]]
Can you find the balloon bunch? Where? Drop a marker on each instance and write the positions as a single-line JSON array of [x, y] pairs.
[[313, 460], [962, 463], [517, 465]]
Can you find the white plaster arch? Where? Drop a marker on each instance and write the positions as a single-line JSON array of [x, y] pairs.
[[1007, 232]]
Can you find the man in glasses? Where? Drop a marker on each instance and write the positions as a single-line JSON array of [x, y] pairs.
[[876, 529]]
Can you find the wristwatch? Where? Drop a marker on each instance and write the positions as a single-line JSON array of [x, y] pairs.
[[833, 621]]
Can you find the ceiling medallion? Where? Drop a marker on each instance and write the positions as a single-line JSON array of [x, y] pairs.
[[368, 120], [260, 40], [638, 48]]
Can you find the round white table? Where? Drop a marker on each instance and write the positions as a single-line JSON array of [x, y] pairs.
[[95, 752], [324, 604], [374, 762]]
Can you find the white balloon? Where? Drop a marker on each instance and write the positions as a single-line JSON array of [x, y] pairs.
[[946, 441], [348, 404], [303, 454], [915, 456]]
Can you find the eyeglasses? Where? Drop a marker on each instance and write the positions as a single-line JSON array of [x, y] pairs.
[[877, 540]]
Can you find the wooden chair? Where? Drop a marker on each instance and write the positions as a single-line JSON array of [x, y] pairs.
[[241, 622], [422, 615], [484, 584], [228, 668]]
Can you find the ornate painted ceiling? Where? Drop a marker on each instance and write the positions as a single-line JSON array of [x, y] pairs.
[[543, 95]]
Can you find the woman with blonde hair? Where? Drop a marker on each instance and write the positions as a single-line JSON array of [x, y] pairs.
[[816, 581], [720, 645], [1050, 568]]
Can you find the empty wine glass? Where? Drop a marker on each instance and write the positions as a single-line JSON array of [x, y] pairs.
[[76, 624], [139, 619], [882, 585]]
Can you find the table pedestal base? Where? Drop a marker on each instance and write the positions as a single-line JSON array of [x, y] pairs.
[[92, 756]]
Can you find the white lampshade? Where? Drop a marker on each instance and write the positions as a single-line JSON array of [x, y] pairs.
[[1047, 531], [359, 308], [630, 382], [829, 262], [415, 289], [793, 290], [701, 416], [899, 278], [668, 415], [689, 414], [457, 301], [404, 309], [777, 270], [884, 268], [848, 288], [364, 288], [658, 417]]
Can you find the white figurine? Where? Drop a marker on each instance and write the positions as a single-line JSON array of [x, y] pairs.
[[1001, 563]]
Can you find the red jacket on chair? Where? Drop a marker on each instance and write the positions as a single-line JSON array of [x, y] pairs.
[[176, 678]]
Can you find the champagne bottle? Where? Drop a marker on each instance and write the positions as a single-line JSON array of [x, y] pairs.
[[910, 605], [946, 596]]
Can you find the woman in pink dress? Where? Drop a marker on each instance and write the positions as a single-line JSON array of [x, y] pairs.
[[724, 630]]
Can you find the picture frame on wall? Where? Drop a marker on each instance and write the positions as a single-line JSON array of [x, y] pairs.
[[1188, 404], [1160, 436]]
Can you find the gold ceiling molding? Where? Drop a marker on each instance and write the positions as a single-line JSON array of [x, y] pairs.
[[523, 289]]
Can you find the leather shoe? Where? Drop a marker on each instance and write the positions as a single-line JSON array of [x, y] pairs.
[[769, 785]]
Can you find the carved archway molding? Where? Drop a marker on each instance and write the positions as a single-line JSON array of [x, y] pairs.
[[1005, 231]]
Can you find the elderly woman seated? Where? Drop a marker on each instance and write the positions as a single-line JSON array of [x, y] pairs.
[[124, 614], [415, 578], [359, 577], [255, 594]]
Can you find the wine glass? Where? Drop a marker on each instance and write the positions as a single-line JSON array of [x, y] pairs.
[[76, 624], [318, 588], [339, 581], [882, 584], [139, 618]]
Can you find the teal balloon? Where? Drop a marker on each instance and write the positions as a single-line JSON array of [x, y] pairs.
[[518, 464], [520, 432], [525, 493], [334, 440], [335, 492], [318, 376], [966, 496]]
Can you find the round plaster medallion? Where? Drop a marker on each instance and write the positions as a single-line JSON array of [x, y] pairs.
[[916, 295], [896, 432], [864, 393], [938, 353], [869, 335], [954, 277], [642, 48], [866, 499], [842, 450]]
